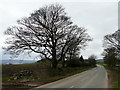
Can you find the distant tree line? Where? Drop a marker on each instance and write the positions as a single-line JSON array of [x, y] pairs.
[[76, 61], [80, 61], [112, 49], [48, 32]]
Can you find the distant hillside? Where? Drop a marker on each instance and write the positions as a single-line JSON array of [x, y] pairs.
[[100, 61], [16, 61]]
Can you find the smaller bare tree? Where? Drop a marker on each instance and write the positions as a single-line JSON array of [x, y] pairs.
[[92, 60], [110, 56]]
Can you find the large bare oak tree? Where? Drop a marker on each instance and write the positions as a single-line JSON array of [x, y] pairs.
[[49, 32]]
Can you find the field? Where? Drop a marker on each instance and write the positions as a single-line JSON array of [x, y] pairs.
[[27, 76]]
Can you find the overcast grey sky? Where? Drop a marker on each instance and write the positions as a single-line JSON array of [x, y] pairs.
[[99, 18]]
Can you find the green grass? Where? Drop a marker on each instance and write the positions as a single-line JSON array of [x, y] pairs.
[[118, 65], [27, 64], [101, 64], [5, 79], [115, 76], [40, 63]]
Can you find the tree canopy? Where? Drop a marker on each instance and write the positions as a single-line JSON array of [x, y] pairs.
[[112, 48], [110, 56], [49, 32], [113, 40]]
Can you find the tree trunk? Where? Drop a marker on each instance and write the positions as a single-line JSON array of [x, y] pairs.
[[54, 64], [63, 61], [63, 64], [54, 59]]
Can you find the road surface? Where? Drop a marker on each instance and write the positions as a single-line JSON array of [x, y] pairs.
[[94, 78]]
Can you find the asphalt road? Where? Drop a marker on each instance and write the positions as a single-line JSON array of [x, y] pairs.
[[94, 78]]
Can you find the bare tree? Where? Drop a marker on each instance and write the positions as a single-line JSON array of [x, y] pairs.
[[110, 56], [48, 32], [92, 60], [113, 40], [76, 39]]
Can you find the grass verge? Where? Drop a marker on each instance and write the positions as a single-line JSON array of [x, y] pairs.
[[113, 77], [40, 75]]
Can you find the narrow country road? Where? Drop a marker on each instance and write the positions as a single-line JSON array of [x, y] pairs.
[[94, 78]]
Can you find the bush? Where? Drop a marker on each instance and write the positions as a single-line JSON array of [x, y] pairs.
[[74, 63], [85, 64]]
